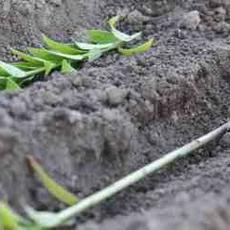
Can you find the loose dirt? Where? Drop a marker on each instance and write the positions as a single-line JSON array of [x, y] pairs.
[[119, 113]]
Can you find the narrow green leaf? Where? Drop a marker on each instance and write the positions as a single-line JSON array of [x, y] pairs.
[[24, 65], [124, 37], [113, 21], [35, 61], [8, 219], [11, 70], [87, 46], [61, 47], [138, 49], [11, 84], [55, 56], [66, 67], [3, 73], [26, 57], [44, 54], [54, 188], [77, 57], [120, 35], [101, 36]]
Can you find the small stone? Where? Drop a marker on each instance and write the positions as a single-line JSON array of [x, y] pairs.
[[116, 96], [77, 81], [191, 20], [136, 17]]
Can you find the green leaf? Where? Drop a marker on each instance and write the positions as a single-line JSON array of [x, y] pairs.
[[113, 21], [120, 35], [78, 57], [87, 46], [26, 57], [24, 65], [54, 188], [44, 54], [8, 219], [138, 49], [66, 67], [36, 62], [125, 37], [61, 47], [11, 84], [3, 81], [101, 36], [3, 73], [11, 70]]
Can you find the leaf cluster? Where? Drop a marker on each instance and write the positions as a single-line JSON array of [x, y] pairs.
[[64, 56]]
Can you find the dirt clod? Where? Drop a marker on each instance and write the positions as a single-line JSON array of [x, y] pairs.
[[191, 20]]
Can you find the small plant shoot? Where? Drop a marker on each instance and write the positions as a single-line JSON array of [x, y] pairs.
[[56, 55], [53, 187]]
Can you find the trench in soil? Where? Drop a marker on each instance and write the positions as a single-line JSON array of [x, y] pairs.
[[168, 96]]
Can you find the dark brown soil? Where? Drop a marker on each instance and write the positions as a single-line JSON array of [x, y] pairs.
[[119, 113]]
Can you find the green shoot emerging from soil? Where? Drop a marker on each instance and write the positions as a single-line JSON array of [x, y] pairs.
[[54, 188], [64, 57], [39, 220]]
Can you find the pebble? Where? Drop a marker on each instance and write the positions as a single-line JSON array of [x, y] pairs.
[[191, 20], [115, 95], [136, 17]]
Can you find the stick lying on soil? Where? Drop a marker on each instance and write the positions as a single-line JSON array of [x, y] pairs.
[[139, 174]]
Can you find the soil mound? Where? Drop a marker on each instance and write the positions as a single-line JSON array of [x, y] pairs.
[[118, 113]]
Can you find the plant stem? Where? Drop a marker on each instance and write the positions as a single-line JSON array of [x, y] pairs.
[[141, 173], [37, 71]]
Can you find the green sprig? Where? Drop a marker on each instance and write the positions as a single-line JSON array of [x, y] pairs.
[[61, 56]]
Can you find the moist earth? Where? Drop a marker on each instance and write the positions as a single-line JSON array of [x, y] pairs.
[[116, 114]]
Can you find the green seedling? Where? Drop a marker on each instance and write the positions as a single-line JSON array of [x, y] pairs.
[[58, 191], [63, 56], [40, 220], [60, 218], [61, 47], [8, 219]]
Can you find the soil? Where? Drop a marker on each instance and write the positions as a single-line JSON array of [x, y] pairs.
[[117, 114]]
